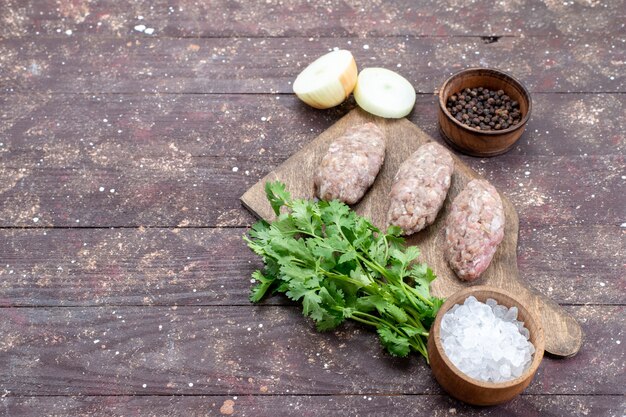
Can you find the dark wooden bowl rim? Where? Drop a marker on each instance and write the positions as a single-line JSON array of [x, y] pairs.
[[506, 76], [539, 343]]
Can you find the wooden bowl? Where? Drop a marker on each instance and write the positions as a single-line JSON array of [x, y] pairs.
[[470, 390], [482, 142]]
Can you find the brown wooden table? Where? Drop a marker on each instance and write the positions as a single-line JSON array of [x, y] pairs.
[[128, 132]]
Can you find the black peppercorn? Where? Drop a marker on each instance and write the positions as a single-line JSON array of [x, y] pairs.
[[484, 109]]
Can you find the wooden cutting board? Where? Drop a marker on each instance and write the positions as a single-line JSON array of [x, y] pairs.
[[563, 334]]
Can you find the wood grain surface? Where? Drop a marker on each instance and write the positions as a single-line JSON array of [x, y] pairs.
[[91, 64], [563, 334], [211, 266], [152, 149], [179, 121], [238, 350], [307, 405], [291, 18]]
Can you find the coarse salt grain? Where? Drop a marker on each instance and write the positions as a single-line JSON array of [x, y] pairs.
[[485, 340]]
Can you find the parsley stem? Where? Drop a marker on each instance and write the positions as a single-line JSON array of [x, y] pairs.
[[342, 278], [360, 320], [418, 295], [379, 319], [408, 294], [416, 322], [419, 346], [386, 246], [373, 266], [372, 317]]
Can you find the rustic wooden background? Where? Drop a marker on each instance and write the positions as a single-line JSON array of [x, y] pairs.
[[123, 154]]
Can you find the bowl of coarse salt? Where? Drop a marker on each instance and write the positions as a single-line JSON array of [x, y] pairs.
[[485, 346]]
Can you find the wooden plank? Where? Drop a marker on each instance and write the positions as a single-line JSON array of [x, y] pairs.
[[578, 265], [57, 152], [318, 406], [121, 190], [213, 266], [234, 125], [181, 18], [239, 351], [87, 64], [181, 191], [262, 125], [125, 267]]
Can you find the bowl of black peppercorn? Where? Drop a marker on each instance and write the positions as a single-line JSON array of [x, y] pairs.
[[483, 111]]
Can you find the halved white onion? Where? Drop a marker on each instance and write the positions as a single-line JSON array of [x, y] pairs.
[[328, 80], [384, 93]]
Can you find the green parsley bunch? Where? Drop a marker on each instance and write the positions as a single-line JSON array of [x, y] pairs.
[[340, 266]]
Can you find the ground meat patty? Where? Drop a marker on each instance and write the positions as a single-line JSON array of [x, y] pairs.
[[351, 164], [474, 229], [419, 188]]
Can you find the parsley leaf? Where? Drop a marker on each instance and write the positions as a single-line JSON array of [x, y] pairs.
[[277, 195], [395, 343], [259, 290]]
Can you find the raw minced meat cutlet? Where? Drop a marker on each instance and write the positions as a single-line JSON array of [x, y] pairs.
[[351, 164], [420, 187], [474, 229]]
